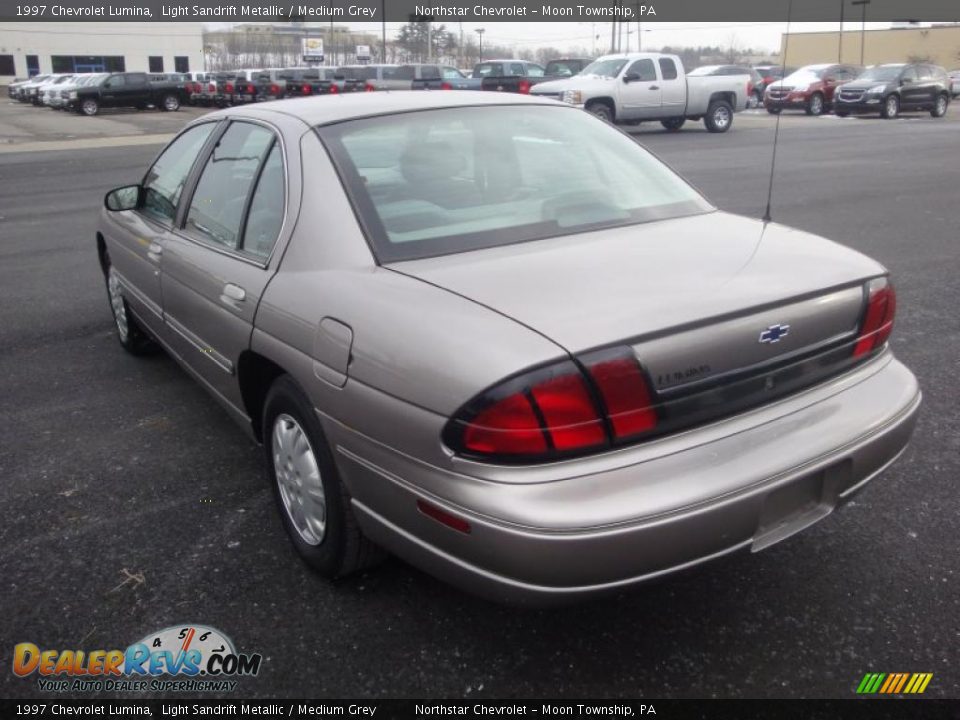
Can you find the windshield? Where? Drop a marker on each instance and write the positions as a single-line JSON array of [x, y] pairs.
[[885, 74], [605, 68], [444, 181]]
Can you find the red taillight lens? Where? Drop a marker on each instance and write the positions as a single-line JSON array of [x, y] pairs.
[[212, 87], [229, 87], [274, 89], [507, 427], [446, 86], [334, 89], [250, 90], [571, 418], [306, 89], [368, 88], [524, 87], [624, 390], [878, 319], [557, 410], [749, 87]]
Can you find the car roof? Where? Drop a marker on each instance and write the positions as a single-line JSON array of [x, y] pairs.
[[350, 106]]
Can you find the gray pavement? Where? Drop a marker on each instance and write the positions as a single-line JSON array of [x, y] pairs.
[[116, 468]]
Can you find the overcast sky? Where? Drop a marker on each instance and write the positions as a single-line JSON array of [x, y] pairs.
[[762, 36]]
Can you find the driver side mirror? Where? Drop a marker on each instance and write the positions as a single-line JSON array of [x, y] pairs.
[[631, 77], [124, 198]]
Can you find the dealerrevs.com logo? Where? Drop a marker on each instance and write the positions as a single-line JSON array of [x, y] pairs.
[[185, 658]]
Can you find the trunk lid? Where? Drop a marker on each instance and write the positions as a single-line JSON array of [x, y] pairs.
[[697, 297]]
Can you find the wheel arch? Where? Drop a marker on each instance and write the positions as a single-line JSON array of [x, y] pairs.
[[255, 374], [605, 100], [103, 255], [724, 95]]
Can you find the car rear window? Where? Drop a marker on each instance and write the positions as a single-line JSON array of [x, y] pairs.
[[443, 181]]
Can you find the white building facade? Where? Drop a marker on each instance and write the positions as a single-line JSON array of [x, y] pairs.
[[28, 49]]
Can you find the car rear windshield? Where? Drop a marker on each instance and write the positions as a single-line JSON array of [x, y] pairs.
[[450, 180]]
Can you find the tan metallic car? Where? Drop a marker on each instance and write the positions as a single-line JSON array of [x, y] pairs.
[[496, 337]]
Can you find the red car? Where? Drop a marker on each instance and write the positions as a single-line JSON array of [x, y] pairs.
[[809, 89]]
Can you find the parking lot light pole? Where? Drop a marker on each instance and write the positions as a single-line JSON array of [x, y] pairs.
[[843, 4], [479, 32], [863, 25]]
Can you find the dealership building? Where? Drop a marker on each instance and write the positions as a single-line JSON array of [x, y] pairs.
[[28, 49], [938, 44]]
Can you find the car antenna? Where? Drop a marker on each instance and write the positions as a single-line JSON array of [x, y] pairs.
[[767, 217]]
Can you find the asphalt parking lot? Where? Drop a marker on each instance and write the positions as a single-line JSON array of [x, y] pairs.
[[132, 502]]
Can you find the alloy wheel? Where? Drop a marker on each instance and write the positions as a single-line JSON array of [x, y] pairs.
[[298, 479], [117, 305]]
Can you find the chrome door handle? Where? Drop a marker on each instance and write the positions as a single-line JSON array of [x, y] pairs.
[[654, 87], [234, 292]]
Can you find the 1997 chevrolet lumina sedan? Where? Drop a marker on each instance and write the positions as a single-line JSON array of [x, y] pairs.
[[495, 336]]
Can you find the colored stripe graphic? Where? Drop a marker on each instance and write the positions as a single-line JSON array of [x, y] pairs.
[[894, 683]]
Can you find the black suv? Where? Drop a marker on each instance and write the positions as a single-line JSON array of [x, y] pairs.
[[890, 89]]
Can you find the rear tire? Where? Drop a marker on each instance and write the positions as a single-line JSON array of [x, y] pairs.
[[719, 116], [314, 504], [890, 108], [673, 124], [170, 103], [601, 110], [940, 106]]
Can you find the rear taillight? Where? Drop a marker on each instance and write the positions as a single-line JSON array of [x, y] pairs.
[[446, 86], [749, 88], [306, 89], [212, 87], [333, 89], [368, 88], [624, 391], [878, 319], [524, 87], [274, 89], [229, 87], [560, 410], [250, 90]]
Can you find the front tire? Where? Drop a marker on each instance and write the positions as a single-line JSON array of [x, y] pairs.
[[719, 116], [89, 107], [602, 111], [890, 108], [815, 105], [314, 504], [673, 124], [131, 336], [170, 103], [940, 107]]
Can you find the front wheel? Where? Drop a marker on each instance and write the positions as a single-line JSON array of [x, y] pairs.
[[719, 116], [815, 105], [89, 107], [602, 111], [673, 124], [940, 107], [170, 103], [132, 338], [314, 504], [890, 108]]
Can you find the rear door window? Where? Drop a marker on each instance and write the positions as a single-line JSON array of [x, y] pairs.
[[668, 69]]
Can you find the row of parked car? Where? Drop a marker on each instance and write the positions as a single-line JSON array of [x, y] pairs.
[[87, 93], [846, 90]]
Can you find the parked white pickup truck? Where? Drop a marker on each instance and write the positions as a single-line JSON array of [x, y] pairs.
[[629, 88]]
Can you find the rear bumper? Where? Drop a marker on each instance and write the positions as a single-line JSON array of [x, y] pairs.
[[545, 542]]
